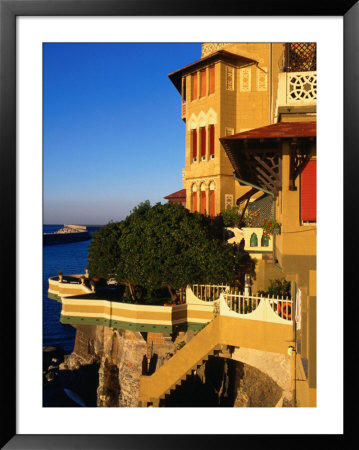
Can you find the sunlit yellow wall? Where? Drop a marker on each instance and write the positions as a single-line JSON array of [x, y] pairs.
[[243, 106], [296, 239]]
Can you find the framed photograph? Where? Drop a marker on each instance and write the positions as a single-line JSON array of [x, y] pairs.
[[32, 33]]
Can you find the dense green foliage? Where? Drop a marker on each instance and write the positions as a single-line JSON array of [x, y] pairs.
[[231, 216], [277, 287], [104, 250], [163, 246]]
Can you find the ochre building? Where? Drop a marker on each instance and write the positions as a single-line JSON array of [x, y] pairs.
[[233, 88], [250, 115]]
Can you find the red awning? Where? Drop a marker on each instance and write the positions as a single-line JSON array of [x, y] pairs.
[[277, 130]]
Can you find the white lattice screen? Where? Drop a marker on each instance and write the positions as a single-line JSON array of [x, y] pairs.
[[301, 86]]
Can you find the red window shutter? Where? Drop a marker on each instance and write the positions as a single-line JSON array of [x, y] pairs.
[[194, 201], [211, 203], [194, 143], [203, 202], [308, 192], [211, 139], [194, 86], [183, 89], [203, 141], [203, 83], [211, 80]]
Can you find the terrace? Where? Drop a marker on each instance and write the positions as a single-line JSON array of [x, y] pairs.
[[222, 317], [107, 306]]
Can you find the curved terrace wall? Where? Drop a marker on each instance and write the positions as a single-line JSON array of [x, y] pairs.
[[71, 285], [159, 319], [81, 306]]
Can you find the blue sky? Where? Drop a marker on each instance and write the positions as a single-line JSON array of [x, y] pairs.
[[113, 134]]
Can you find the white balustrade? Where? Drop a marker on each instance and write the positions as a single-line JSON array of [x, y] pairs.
[[209, 292], [246, 304]]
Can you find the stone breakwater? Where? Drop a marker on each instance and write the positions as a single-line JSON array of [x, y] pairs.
[[66, 235], [72, 229]]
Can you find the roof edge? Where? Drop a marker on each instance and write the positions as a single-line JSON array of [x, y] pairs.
[[280, 130], [176, 75]]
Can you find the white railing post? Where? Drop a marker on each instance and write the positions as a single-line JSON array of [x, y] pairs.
[[281, 309]]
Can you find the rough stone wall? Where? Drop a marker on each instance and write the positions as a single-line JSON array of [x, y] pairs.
[[276, 366], [128, 355], [160, 348], [88, 342], [223, 382], [254, 388], [123, 356], [120, 357]]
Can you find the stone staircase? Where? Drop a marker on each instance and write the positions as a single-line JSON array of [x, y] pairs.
[[184, 377], [219, 337], [183, 364]]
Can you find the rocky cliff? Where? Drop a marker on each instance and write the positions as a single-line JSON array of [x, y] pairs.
[[105, 367]]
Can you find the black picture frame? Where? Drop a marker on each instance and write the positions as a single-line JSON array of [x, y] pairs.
[[9, 10]]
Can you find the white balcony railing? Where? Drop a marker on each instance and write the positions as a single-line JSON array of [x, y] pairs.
[[227, 301], [246, 304], [209, 292]]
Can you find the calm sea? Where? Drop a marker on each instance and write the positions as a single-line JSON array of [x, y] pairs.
[[70, 258]]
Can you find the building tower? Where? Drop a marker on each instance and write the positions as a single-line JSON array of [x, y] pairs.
[[230, 89]]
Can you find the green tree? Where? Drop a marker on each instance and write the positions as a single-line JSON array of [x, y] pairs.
[[104, 250], [105, 253], [165, 245]]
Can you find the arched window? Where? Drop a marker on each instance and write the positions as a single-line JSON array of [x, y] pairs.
[[254, 240], [265, 241], [194, 198], [211, 200], [203, 198]]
